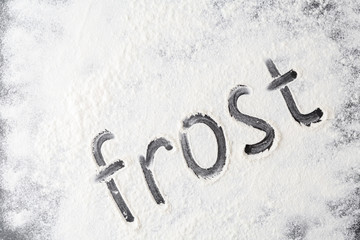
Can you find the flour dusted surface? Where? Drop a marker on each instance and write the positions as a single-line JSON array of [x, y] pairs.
[[138, 70]]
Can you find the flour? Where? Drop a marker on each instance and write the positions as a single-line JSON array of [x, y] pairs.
[[138, 70]]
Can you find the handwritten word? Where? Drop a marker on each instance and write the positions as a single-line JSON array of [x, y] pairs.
[[279, 81]]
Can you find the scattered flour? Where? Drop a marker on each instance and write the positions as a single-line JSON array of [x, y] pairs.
[[138, 69]]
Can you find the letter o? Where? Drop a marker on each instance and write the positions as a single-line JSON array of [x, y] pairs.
[[220, 139]]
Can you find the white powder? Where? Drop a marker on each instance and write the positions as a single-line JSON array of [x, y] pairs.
[[139, 69]]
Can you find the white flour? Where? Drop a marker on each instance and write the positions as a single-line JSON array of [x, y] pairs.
[[138, 70]]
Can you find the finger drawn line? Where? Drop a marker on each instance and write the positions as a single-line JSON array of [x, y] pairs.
[[306, 119], [257, 123], [220, 139], [110, 170], [111, 185], [148, 161], [282, 80]]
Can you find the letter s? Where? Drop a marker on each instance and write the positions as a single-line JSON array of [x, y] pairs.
[[257, 123]]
